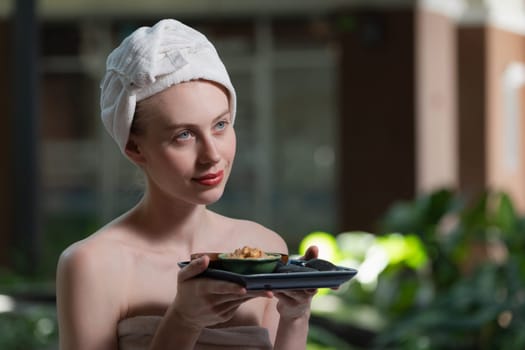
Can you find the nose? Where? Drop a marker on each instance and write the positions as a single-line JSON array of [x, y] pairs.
[[208, 152]]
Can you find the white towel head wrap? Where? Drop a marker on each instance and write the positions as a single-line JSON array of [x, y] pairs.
[[150, 60]]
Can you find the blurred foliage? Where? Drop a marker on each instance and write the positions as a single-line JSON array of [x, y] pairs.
[[442, 273], [322, 339], [32, 323], [29, 329]]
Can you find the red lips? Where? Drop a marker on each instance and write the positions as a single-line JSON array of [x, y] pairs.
[[210, 179]]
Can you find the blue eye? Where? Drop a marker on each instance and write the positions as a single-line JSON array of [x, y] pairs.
[[184, 135], [221, 125]]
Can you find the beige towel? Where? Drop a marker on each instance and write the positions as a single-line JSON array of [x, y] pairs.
[[135, 334]]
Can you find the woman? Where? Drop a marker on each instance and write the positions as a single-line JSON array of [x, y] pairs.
[[169, 104]]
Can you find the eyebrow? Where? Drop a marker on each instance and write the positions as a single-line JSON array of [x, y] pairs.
[[185, 125]]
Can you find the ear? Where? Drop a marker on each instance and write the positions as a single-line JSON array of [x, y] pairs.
[[134, 153]]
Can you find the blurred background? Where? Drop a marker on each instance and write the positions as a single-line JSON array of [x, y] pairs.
[[388, 132]]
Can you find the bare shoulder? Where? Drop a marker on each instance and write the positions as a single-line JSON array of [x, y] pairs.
[[90, 282], [89, 266], [94, 252]]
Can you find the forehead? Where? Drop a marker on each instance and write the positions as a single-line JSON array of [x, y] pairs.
[[187, 102]]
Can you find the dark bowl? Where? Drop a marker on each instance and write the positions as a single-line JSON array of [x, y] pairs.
[[249, 266]]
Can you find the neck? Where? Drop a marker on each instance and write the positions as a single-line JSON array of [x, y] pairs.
[[168, 221]]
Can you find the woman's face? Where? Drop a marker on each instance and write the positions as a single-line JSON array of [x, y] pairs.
[[187, 145]]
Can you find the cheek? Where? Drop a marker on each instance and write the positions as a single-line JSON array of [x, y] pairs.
[[170, 161], [233, 146], [180, 162]]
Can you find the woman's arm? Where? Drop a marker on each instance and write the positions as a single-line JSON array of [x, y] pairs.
[[200, 302], [291, 314], [87, 300], [294, 310]]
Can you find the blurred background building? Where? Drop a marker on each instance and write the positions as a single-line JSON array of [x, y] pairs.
[[345, 106]]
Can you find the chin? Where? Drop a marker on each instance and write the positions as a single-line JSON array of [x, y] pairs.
[[210, 197]]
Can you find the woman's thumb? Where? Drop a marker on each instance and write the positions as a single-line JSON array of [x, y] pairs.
[[194, 268]]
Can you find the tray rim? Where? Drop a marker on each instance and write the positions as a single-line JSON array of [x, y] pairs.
[[281, 280]]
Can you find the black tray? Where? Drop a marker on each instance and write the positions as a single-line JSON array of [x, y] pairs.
[[288, 280]]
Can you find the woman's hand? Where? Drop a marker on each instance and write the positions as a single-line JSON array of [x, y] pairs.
[[295, 304], [202, 302]]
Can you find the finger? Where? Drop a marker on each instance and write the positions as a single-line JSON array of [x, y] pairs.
[[223, 307], [226, 298], [297, 294], [311, 253], [290, 301], [287, 297], [260, 293], [226, 311], [217, 287], [218, 303], [194, 268]]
